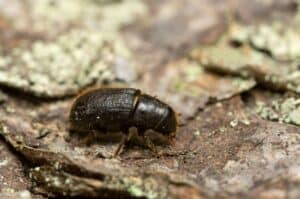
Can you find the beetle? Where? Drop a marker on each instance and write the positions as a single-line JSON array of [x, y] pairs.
[[112, 110]]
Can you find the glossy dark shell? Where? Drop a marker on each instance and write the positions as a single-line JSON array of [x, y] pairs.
[[151, 113], [118, 109]]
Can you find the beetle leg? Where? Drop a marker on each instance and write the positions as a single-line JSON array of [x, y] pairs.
[[125, 139], [130, 135], [171, 140], [87, 140], [150, 144], [121, 146]]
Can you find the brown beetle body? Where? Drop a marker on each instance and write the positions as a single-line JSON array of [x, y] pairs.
[[118, 109]]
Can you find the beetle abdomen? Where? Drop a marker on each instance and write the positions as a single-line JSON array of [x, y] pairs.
[[104, 109]]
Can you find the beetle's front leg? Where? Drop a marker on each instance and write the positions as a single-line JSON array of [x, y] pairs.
[[125, 139], [121, 146]]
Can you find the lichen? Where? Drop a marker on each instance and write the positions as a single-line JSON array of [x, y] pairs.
[[243, 84], [278, 40], [294, 116], [287, 110], [225, 58], [136, 191], [62, 67], [246, 62], [234, 123], [138, 186], [67, 45], [266, 112], [3, 162]]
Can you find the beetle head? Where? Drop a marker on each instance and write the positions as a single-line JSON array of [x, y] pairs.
[[168, 124]]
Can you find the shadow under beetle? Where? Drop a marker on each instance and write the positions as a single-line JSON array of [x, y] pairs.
[[118, 109]]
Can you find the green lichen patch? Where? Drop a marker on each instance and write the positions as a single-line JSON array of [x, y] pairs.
[[282, 110], [246, 62], [67, 64], [54, 48], [280, 41]]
